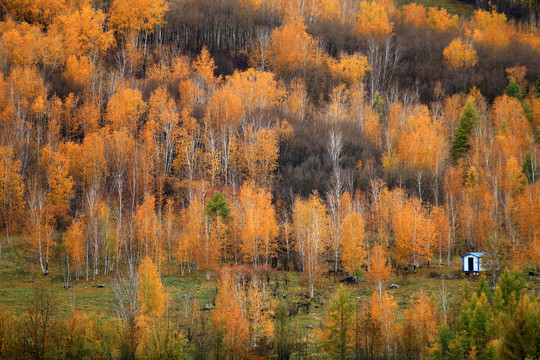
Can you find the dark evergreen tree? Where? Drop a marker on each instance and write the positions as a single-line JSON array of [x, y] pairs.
[[217, 205], [338, 328], [444, 341], [474, 326], [529, 168], [519, 339], [460, 143], [514, 91], [511, 286], [483, 288], [378, 103]]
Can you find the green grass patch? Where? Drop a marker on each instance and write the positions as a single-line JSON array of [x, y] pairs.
[[452, 6]]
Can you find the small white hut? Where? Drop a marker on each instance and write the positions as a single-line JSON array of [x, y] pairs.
[[472, 262]]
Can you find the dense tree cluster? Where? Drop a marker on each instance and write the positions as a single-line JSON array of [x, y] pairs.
[[479, 322], [287, 134]]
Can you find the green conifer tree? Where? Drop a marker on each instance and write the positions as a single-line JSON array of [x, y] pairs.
[[378, 103], [529, 168], [339, 325], [511, 285], [518, 339], [460, 143], [217, 205], [514, 91]]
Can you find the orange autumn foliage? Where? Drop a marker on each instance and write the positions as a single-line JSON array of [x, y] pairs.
[[419, 142], [373, 20], [84, 33], [384, 311], [414, 14], [423, 317], [292, 49], [11, 190], [410, 224], [379, 268], [75, 245], [204, 67], [514, 132], [79, 70], [527, 208], [460, 55], [230, 316], [311, 228], [260, 152], [492, 29], [145, 224], [60, 183], [20, 42], [440, 227], [124, 110], [349, 69], [200, 242], [151, 296], [163, 125], [353, 245], [42, 11], [259, 225], [440, 20], [243, 310], [128, 16]]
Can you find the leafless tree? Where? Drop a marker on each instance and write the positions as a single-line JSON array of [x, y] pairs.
[[126, 288], [335, 150], [444, 299], [36, 325], [383, 59]]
